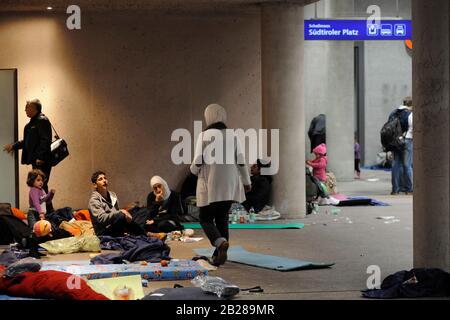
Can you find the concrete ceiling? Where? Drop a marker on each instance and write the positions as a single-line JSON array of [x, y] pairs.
[[153, 5]]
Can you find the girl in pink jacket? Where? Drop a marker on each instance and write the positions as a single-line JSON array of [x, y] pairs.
[[319, 164]]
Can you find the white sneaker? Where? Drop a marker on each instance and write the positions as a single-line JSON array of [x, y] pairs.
[[273, 215]]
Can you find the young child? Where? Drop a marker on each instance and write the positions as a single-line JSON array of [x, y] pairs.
[[319, 164], [38, 198], [40, 228], [357, 159]]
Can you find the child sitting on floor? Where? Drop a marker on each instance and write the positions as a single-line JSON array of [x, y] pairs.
[[319, 163]]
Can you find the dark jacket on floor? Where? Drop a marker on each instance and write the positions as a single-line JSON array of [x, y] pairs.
[[259, 196], [420, 282], [134, 248]]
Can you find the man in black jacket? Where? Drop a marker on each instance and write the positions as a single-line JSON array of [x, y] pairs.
[[317, 131], [37, 138]]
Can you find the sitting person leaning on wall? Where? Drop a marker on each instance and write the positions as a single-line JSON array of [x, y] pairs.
[[164, 207], [258, 197], [107, 217]]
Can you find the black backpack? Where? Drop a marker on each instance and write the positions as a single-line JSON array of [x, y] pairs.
[[391, 133]]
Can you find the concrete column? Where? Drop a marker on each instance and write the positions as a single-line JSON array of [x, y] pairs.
[[431, 223], [340, 103], [282, 101]]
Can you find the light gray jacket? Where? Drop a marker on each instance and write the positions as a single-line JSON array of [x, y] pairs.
[[102, 209]]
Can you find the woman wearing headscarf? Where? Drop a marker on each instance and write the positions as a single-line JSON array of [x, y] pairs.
[[220, 181], [164, 207]]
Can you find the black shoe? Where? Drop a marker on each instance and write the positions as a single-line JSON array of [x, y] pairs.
[[221, 254]]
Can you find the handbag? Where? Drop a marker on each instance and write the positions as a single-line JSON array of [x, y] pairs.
[[58, 149]]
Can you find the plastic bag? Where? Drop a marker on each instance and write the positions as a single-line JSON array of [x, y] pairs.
[[216, 285], [72, 245], [23, 265]]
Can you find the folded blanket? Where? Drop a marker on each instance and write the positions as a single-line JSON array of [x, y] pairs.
[[49, 285]]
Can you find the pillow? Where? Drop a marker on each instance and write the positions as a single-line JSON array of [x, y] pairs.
[[18, 213]]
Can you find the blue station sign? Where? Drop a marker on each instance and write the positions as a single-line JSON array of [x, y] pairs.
[[357, 30]]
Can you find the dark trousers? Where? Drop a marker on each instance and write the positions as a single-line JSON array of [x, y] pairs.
[[118, 226], [357, 169], [32, 218], [214, 220], [47, 169]]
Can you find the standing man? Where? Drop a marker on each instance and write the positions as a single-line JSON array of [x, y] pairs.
[[402, 165], [317, 131], [409, 151], [37, 138]]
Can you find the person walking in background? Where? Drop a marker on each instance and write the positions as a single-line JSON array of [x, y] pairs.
[[402, 163], [219, 183], [357, 159], [409, 153], [37, 138]]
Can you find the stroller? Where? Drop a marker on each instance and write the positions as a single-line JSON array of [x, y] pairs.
[[314, 190]]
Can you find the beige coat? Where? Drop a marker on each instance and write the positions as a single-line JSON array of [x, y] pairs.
[[216, 181]]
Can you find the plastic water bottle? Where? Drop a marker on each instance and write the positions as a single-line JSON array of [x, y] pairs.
[[241, 216], [316, 208], [251, 215], [234, 216]]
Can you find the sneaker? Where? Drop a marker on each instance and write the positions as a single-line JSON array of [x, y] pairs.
[[394, 193], [221, 254], [408, 193]]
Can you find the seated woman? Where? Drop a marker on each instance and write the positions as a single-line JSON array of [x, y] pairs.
[[164, 206], [107, 217], [259, 195]]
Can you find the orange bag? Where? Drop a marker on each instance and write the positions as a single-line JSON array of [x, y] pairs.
[[82, 215], [19, 214]]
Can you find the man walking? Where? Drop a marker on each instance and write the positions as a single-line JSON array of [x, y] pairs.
[[402, 164], [37, 138]]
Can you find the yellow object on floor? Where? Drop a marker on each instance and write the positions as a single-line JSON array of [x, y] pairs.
[[119, 288], [72, 245]]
